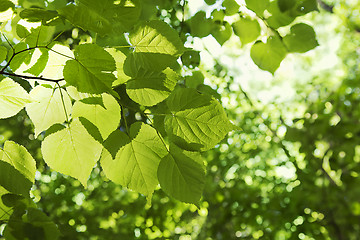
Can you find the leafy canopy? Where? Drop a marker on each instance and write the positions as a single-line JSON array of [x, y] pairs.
[[121, 95]]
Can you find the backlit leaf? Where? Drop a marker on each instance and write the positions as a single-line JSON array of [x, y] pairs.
[[102, 16], [106, 118], [156, 37], [149, 88], [268, 56], [47, 107], [182, 175], [301, 38], [91, 71], [72, 151], [197, 121], [13, 98], [247, 30], [136, 162]]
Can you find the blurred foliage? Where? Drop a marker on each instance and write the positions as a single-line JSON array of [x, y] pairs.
[[279, 177]]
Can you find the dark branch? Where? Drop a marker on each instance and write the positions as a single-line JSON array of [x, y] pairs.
[[326, 6], [32, 77]]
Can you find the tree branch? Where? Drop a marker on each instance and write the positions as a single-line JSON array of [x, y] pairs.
[[32, 77]]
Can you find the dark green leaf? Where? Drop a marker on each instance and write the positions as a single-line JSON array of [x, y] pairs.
[[5, 5], [37, 14]]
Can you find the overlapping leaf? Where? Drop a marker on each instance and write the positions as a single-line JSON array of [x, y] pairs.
[[17, 168], [136, 162], [149, 88], [5, 211], [156, 37], [13, 98], [48, 107], [91, 70], [182, 175], [106, 118], [197, 121], [72, 151], [103, 16]]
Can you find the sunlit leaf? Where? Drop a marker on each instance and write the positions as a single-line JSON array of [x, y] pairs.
[[182, 175], [91, 70], [106, 118], [72, 151], [13, 98], [149, 88], [301, 38], [136, 162], [47, 107], [156, 37], [197, 121], [268, 56], [247, 30]]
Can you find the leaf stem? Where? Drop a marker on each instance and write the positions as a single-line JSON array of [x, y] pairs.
[[63, 102], [124, 118]]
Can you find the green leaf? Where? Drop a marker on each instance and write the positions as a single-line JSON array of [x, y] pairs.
[[279, 18], [12, 180], [21, 56], [40, 36], [136, 162], [231, 7], [268, 56], [103, 16], [191, 58], [258, 6], [39, 219], [301, 38], [156, 37], [37, 15], [285, 5], [91, 71], [21, 31], [40, 64], [210, 2], [149, 61], [148, 88], [200, 26], [47, 107], [197, 121], [13, 98], [3, 53], [194, 80], [106, 118], [17, 168], [222, 32], [5, 211], [182, 175], [72, 151], [5, 5], [17, 156], [247, 30], [119, 58]]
